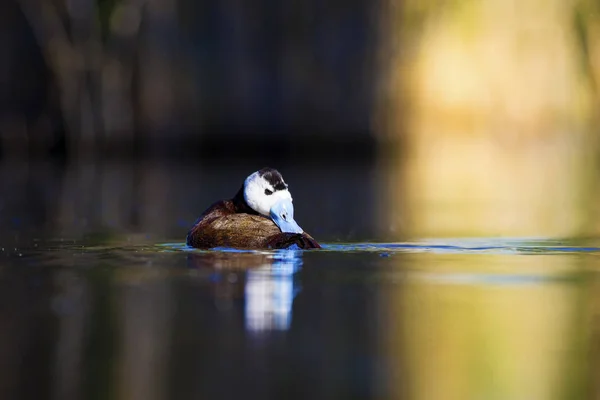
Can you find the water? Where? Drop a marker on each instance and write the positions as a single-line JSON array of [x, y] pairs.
[[430, 319], [100, 299]]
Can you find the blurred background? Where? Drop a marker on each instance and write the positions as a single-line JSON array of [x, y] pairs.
[[391, 120], [445, 118]]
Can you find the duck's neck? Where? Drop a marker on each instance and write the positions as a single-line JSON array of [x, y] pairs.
[[240, 203]]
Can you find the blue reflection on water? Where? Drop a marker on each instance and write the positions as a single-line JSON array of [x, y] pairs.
[[465, 246], [269, 287], [270, 292]]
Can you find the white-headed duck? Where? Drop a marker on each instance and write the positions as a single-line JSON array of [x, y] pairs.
[[259, 216]]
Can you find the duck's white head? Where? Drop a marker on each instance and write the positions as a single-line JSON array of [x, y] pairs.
[[266, 193]]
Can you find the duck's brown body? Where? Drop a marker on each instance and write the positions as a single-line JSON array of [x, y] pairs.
[[232, 223]]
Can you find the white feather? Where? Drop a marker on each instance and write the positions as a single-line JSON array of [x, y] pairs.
[[254, 194]]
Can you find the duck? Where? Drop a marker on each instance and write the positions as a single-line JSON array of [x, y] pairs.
[[259, 216]]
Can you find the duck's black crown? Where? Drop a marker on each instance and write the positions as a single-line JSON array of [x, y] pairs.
[[274, 178]]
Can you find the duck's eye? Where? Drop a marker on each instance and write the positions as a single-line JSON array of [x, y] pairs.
[[268, 192]]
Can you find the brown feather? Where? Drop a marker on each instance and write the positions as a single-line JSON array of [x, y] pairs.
[[222, 226]]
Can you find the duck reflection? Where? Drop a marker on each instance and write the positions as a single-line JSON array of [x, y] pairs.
[[264, 280]]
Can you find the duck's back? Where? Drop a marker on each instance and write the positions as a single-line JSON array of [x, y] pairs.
[[220, 226]]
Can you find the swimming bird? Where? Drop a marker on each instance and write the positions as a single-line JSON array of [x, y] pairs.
[[259, 216]]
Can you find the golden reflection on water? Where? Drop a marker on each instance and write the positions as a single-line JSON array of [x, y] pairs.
[[472, 334]]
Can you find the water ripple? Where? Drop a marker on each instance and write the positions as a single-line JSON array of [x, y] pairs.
[[451, 246]]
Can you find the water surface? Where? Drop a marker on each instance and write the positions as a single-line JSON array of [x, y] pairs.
[[452, 319]]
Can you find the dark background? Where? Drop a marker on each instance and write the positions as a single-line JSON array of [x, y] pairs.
[[204, 79], [126, 117]]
